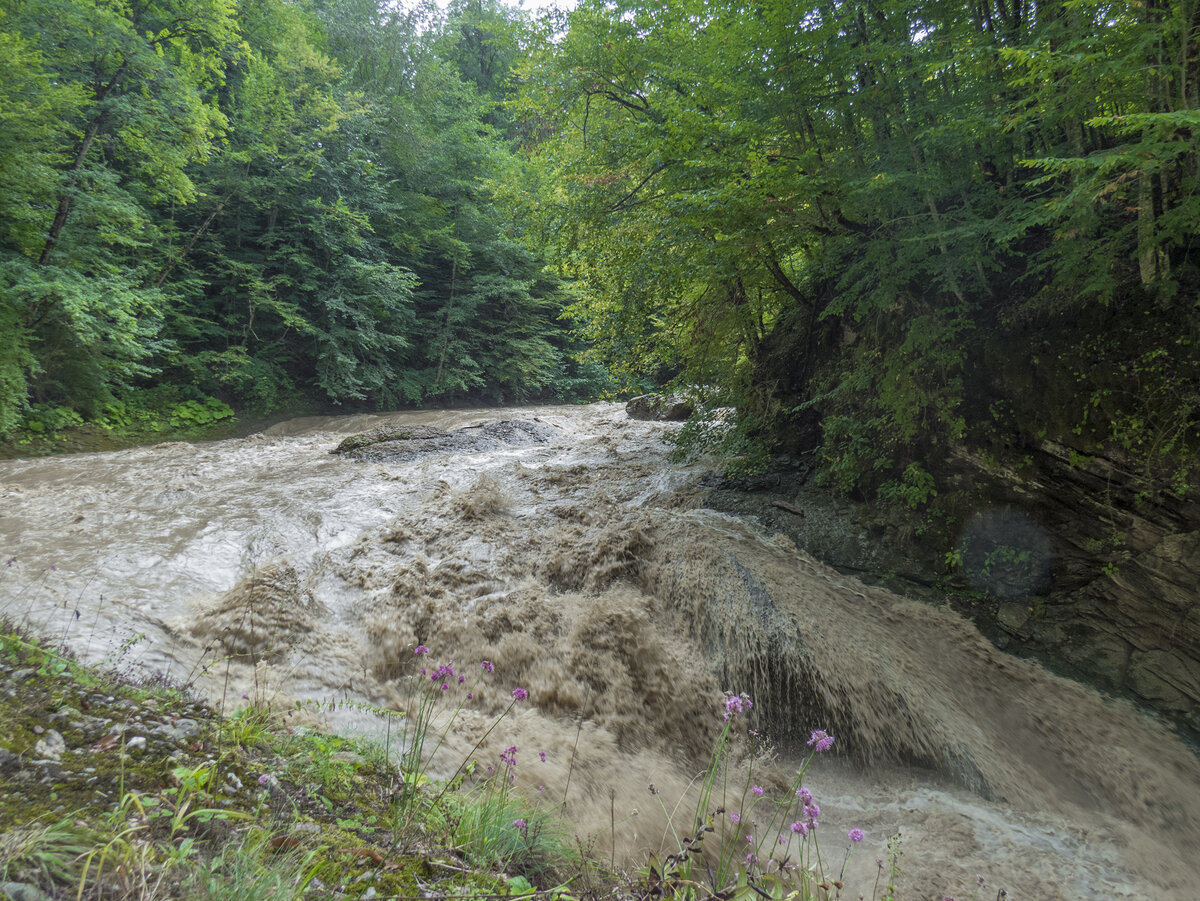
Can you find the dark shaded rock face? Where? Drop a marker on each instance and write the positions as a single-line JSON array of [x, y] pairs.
[[664, 408], [1120, 605], [399, 444], [1068, 559]]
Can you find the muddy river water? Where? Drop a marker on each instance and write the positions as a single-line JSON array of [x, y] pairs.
[[573, 554]]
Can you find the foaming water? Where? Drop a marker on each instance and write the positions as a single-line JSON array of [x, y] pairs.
[[582, 567]]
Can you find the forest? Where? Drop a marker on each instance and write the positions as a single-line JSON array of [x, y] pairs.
[[876, 231], [208, 204]]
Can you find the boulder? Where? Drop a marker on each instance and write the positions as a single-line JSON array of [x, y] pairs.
[[403, 444], [659, 407]]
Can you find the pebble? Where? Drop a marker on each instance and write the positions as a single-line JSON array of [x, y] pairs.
[[50, 748]]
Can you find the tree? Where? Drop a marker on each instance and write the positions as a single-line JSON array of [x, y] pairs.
[[123, 101], [835, 211]]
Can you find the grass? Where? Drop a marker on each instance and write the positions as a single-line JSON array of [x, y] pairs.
[[229, 807]]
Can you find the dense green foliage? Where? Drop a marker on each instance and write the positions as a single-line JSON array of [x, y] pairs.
[[258, 201], [880, 230], [883, 229]]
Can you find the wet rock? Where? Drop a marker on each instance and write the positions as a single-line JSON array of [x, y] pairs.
[[180, 730], [660, 407], [389, 433], [22, 891], [402, 444], [50, 747], [1012, 617], [8, 761], [1169, 679]]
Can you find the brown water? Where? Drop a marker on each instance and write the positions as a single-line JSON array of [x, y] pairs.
[[586, 570]]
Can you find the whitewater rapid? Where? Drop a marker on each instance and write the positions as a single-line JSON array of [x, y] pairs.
[[586, 567]]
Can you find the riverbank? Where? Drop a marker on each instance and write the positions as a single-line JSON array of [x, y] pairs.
[[132, 789]]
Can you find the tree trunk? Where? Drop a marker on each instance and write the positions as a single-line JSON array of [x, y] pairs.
[[65, 201], [437, 379]]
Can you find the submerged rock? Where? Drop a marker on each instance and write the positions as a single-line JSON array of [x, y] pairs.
[[660, 407], [260, 617]]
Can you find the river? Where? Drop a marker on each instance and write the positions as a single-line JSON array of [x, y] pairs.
[[581, 561]]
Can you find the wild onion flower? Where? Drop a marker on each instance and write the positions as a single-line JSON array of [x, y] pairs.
[[812, 811], [820, 740], [757, 790], [800, 828], [542, 756], [520, 824], [804, 795], [520, 694], [420, 649], [735, 704], [856, 835], [488, 666], [735, 817], [510, 755]]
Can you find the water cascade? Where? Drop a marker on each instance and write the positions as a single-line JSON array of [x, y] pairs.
[[562, 545]]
